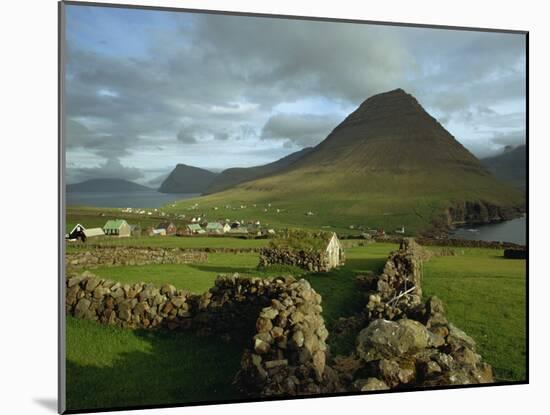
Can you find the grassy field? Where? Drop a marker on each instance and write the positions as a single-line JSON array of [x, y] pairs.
[[484, 295], [113, 367], [127, 367], [193, 277], [374, 199]]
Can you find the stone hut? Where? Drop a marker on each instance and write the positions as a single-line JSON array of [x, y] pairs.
[[313, 251]]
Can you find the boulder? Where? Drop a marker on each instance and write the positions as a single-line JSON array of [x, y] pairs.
[[370, 384], [387, 339]]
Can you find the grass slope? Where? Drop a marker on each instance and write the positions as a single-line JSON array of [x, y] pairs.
[[110, 367], [484, 294], [375, 199]]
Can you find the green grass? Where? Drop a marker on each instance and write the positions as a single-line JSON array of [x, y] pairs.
[[173, 242], [375, 199], [484, 295], [112, 367], [193, 277]]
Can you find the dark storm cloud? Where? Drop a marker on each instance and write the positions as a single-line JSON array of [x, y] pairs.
[[511, 138], [303, 130], [112, 168], [212, 81]]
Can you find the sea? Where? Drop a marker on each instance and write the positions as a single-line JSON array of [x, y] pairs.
[[141, 199], [514, 231]]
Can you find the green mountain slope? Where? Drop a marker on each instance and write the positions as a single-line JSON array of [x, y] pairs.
[[389, 163], [236, 175], [187, 179]]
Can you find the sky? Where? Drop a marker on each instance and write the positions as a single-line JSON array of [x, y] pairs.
[[146, 90]]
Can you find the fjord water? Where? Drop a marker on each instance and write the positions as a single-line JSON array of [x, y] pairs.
[[140, 199], [514, 230]]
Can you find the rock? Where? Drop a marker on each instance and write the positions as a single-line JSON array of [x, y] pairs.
[[466, 357], [261, 346], [457, 338], [168, 289], [81, 308], [276, 363], [263, 325], [434, 305], [319, 361], [442, 331], [435, 340], [298, 338], [261, 338], [73, 281], [91, 284], [178, 301], [277, 332], [429, 369], [370, 384], [395, 373], [386, 339]]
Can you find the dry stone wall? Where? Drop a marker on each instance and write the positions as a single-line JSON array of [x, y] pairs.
[[401, 340], [404, 342], [113, 256], [467, 243], [309, 260], [287, 350]]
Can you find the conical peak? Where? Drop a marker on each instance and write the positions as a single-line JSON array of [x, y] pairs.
[[385, 106], [396, 97]]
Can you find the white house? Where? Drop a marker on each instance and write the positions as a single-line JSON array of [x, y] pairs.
[[93, 232]]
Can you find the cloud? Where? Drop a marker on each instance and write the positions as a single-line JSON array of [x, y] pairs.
[[187, 135], [302, 130], [112, 168], [212, 81], [510, 138]]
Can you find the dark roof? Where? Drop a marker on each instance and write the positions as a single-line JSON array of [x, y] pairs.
[[164, 225]]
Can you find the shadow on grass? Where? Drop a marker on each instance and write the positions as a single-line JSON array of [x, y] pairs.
[[175, 368]]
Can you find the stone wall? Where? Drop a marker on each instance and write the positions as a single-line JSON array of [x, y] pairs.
[[204, 249], [467, 243], [515, 253], [287, 350], [403, 342], [309, 260], [122, 255]]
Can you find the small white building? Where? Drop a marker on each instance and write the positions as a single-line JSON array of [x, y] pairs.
[[334, 251], [93, 232]]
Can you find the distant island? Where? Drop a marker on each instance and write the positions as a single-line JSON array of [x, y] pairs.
[[509, 166], [187, 179], [106, 185]]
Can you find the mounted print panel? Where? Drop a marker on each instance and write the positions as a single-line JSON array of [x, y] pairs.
[[261, 207]]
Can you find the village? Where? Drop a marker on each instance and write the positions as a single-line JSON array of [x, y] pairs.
[[121, 228], [174, 223]]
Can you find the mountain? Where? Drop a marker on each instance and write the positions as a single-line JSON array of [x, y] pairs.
[[233, 176], [389, 163], [187, 179], [510, 166], [106, 185]]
